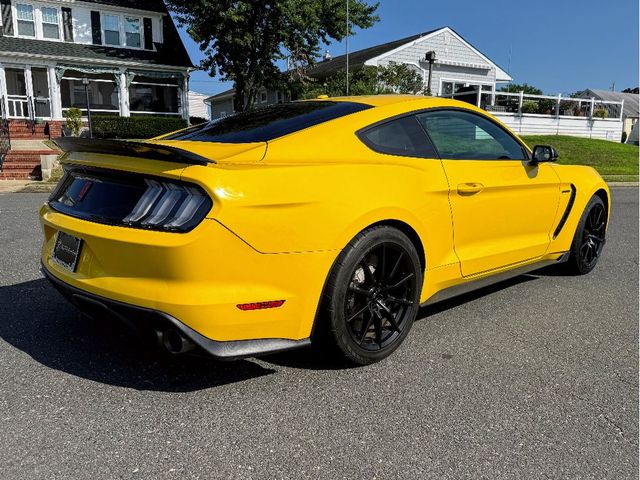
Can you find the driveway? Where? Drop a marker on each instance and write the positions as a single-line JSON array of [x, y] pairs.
[[534, 378]]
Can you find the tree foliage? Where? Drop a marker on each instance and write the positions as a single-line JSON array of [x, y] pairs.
[[243, 39], [393, 78], [521, 87]]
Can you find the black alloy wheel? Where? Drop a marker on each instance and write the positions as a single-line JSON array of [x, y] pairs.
[[589, 239], [372, 294]]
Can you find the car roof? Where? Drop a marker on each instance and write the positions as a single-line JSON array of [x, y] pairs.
[[382, 100]]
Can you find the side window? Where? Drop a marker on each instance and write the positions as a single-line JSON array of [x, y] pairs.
[[404, 137], [466, 136]]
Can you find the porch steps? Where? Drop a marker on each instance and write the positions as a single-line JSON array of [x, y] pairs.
[[23, 164], [23, 130]]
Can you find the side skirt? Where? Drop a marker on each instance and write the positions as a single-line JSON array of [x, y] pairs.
[[476, 284]]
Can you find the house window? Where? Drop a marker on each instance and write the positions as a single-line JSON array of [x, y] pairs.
[[26, 24], [263, 97], [111, 29], [50, 27], [280, 97], [132, 31], [154, 95]]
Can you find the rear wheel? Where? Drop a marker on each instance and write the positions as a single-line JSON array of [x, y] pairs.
[[372, 295], [589, 238]]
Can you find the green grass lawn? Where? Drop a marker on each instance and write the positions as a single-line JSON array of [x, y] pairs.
[[614, 161]]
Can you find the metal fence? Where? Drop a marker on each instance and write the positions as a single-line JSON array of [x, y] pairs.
[[543, 105]]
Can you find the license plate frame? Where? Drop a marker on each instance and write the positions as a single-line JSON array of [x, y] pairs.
[[66, 251]]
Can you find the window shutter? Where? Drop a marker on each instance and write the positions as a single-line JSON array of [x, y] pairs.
[[148, 34], [96, 28], [67, 24], [7, 19]]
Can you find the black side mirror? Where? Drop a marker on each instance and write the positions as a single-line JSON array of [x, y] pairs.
[[544, 153]]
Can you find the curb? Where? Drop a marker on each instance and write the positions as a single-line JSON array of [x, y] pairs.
[[623, 184]]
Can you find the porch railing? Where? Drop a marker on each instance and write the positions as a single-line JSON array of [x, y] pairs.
[[543, 105]]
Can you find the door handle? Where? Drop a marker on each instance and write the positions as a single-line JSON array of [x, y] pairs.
[[469, 188]]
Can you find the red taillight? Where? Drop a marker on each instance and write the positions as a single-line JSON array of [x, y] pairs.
[[260, 305]]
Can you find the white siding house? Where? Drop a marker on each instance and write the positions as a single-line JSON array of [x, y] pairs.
[[130, 52], [197, 105]]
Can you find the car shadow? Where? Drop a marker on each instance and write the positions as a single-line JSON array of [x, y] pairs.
[[42, 324], [39, 322], [319, 359]]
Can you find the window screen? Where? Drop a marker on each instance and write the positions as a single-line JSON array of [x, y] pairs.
[[467, 136]]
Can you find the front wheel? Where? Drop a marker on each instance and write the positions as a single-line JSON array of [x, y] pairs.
[[589, 238], [373, 294]]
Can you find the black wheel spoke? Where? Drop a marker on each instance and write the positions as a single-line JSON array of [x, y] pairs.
[[368, 276], [377, 323], [395, 266], [392, 321], [358, 313], [358, 290], [365, 328], [401, 301], [397, 284], [382, 264]]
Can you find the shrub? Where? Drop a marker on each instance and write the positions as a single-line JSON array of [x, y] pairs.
[[134, 127], [529, 107], [624, 137], [74, 120], [601, 113], [197, 120]]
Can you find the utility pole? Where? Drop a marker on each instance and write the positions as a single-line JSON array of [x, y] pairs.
[[347, 45]]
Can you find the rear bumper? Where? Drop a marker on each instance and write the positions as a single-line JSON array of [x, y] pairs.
[[142, 318]]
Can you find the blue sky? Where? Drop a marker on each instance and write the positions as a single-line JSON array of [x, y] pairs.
[[559, 46]]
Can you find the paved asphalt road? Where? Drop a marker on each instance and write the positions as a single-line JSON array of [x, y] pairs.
[[535, 378]]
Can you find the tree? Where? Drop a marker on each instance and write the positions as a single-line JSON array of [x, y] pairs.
[[631, 90], [524, 87], [243, 39], [394, 78]]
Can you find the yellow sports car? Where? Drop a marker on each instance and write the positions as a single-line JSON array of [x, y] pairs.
[[331, 219]]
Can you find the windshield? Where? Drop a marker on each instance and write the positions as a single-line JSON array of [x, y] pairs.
[[266, 123]]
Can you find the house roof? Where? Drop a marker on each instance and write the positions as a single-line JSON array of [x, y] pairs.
[[359, 57], [221, 95], [170, 53], [630, 99], [149, 5]]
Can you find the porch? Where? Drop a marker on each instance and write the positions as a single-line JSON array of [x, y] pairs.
[[42, 93]]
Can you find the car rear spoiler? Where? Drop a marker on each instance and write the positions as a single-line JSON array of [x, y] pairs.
[[129, 148]]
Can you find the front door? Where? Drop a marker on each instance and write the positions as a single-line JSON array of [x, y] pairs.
[[503, 208], [17, 99]]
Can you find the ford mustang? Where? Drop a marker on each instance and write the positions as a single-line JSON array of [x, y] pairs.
[[329, 220]]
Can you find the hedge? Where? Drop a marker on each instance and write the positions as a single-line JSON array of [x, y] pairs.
[[134, 127]]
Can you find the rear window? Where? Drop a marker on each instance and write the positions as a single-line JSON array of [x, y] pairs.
[[267, 123]]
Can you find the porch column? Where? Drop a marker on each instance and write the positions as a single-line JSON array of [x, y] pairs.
[[185, 97], [54, 94], [123, 95], [3, 91], [28, 80]]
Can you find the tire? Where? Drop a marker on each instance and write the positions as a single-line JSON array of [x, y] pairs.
[[366, 314], [589, 238]]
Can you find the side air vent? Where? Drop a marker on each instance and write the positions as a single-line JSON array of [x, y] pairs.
[[567, 211]]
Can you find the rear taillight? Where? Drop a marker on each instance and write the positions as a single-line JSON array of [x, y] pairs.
[[131, 200], [169, 206]]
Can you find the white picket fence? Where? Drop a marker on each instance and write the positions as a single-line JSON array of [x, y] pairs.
[[549, 115]]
